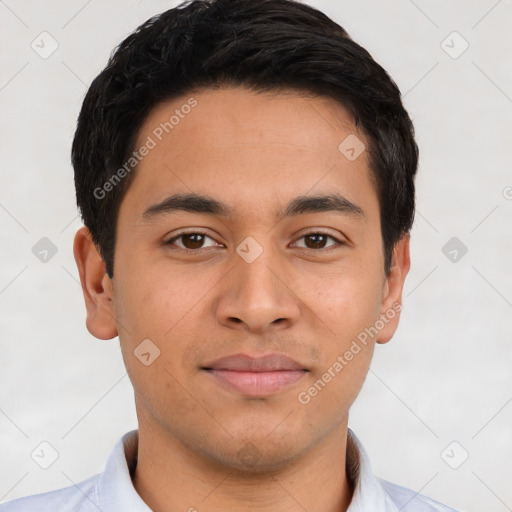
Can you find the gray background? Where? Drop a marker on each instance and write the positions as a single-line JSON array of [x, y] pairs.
[[446, 375]]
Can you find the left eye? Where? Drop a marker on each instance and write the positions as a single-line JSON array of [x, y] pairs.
[[318, 240]]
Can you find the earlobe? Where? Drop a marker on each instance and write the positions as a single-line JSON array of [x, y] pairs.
[[393, 288], [96, 286]]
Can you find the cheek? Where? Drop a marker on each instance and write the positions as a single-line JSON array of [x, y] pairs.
[[334, 386], [346, 300], [155, 299], [168, 307], [158, 310]]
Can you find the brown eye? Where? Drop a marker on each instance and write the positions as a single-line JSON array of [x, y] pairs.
[[315, 241], [318, 241], [191, 241]]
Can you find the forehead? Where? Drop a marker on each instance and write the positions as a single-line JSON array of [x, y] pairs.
[[251, 148], [238, 115]]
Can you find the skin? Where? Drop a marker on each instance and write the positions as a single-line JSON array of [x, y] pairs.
[[255, 152]]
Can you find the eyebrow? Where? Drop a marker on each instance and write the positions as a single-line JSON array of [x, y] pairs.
[[195, 203]]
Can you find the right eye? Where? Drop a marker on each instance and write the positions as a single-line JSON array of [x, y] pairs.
[[191, 241]]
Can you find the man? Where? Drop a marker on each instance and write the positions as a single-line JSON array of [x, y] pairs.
[[245, 174]]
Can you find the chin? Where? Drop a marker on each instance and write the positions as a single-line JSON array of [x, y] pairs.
[[260, 453]]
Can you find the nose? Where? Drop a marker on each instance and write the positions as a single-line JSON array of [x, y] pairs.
[[255, 296]]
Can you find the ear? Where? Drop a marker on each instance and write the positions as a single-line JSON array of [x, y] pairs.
[[392, 290], [96, 286]]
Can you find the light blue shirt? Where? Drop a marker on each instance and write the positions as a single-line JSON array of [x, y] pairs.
[[113, 491]]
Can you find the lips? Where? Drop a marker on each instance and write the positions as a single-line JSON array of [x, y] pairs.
[[256, 376], [246, 363]]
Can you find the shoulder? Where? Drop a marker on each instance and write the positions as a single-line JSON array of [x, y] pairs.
[[407, 500], [82, 497]]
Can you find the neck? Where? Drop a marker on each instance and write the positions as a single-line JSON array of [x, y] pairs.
[[169, 477]]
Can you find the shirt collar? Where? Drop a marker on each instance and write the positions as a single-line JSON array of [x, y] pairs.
[[115, 487], [116, 491], [368, 493]]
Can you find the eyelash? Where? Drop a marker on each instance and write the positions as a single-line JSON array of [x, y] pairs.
[[170, 242]]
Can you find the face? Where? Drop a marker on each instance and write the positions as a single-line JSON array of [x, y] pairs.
[[281, 256]]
